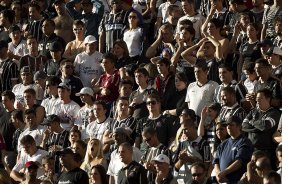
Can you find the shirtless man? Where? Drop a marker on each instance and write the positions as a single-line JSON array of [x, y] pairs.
[[63, 22]]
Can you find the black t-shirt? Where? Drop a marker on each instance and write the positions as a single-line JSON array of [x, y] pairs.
[[7, 129], [134, 173], [75, 176]]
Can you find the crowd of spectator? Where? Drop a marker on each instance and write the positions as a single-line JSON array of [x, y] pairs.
[[141, 91]]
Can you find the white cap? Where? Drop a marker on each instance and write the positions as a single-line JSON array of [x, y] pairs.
[[161, 158], [90, 39], [84, 91], [277, 50]]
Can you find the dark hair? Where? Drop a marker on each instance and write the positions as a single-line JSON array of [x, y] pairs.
[[259, 154], [78, 23], [18, 114], [102, 172], [164, 61], [9, 94], [171, 7], [155, 96], [190, 29], [29, 111], [217, 23], [54, 80], [263, 62], [266, 92], [51, 22], [143, 71], [229, 90], [186, 22], [81, 143], [124, 82], [189, 1], [189, 123], [149, 130], [9, 14], [200, 63], [181, 76], [167, 27], [276, 177], [64, 61], [35, 5], [127, 146], [250, 67], [30, 91], [74, 129], [199, 164], [226, 66], [110, 56], [122, 98], [254, 25], [100, 102], [27, 139], [30, 37], [123, 45]]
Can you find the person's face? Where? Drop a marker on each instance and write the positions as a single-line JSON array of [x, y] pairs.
[[17, 9], [49, 166], [249, 75], [262, 100], [226, 98], [187, 130], [183, 117], [244, 20], [116, 6], [162, 68], [221, 132], [212, 113], [90, 48], [198, 174], [279, 156], [119, 138], [47, 28], [133, 18], [233, 129], [278, 28], [65, 160], [166, 35], [176, 12], [179, 84], [107, 65], [56, 55], [85, 98], [185, 35], [125, 90], [32, 44], [60, 8], [257, 3], [77, 148], [33, 12], [94, 147], [95, 176], [63, 93], [273, 58], [16, 36], [50, 89], [7, 102], [186, 7], [29, 99], [140, 78], [148, 139], [152, 104], [261, 70], [51, 126], [99, 111], [124, 153], [160, 166], [30, 120], [225, 75], [209, 49], [67, 68], [118, 51], [78, 30], [122, 106], [74, 136], [29, 148], [211, 28], [251, 32], [200, 74], [26, 78], [32, 172]]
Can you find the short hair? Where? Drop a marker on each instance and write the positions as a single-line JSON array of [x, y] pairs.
[[35, 5], [29, 111], [81, 143], [124, 82], [229, 90], [31, 37], [110, 56], [123, 45], [164, 60], [154, 96], [263, 62], [30, 91], [51, 22], [18, 114], [9, 14], [217, 23], [259, 154], [27, 139], [143, 71], [53, 80], [9, 94], [100, 102], [189, 123], [266, 92], [185, 22], [127, 146], [149, 130], [123, 98], [181, 76], [78, 23], [200, 63], [74, 129], [199, 164], [276, 177], [250, 67], [254, 25], [171, 7], [189, 1], [64, 61], [167, 27], [102, 172], [190, 29], [16, 3], [226, 66]]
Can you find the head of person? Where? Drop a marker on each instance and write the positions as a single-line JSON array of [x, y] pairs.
[[257, 3], [56, 50], [279, 154], [187, 114], [3, 49], [225, 73], [125, 151], [75, 135], [150, 137], [122, 105], [32, 44], [201, 70], [174, 11], [64, 91], [17, 118], [265, 45], [34, 11], [32, 168], [252, 31], [87, 6], [126, 4], [189, 129], [120, 49], [167, 33], [141, 76], [263, 68], [263, 166], [234, 125], [15, 34], [30, 118], [234, 4], [26, 75], [272, 178], [125, 88], [163, 66], [199, 172], [278, 26], [28, 144], [78, 28], [244, 19], [7, 18], [39, 78], [98, 174], [94, 150], [133, 19], [249, 71], [121, 135], [263, 98], [48, 27], [51, 84], [221, 131], [213, 110], [29, 96], [153, 103], [59, 6], [100, 109], [217, 3], [214, 26], [53, 122], [187, 33], [188, 6], [185, 23], [90, 43], [8, 99], [66, 157], [181, 81], [86, 95], [257, 154], [116, 5], [48, 164], [166, 53], [209, 50], [79, 147], [274, 56], [16, 6], [161, 163], [108, 62], [66, 68], [228, 96]]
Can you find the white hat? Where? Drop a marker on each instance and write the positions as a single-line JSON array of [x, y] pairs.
[[90, 39], [161, 158], [84, 91]]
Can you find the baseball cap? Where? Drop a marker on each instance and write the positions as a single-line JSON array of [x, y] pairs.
[[275, 50], [50, 118], [31, 164], [161, 158], [90, 39], [26, 69], [55, 46], [64, 85], [3, 44], [64, 152], [39, 75], [85, 91], [233, 119]]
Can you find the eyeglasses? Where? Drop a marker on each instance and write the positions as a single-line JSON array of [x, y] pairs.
[[78, 29], [132, 17], [197, 174], [151, 103]]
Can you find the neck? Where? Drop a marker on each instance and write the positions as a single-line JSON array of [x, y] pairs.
[[101, 119], [34, 53], [65, 76], [127, 162], [70, 168], [202, 82], [265, 107], [252, 40], [154, 114], [110, 72], [10, 109], [265, 77], [143, 86], [193, 136], [122, 116], [131, 26], [79, 38], [235, 136], [89, 104], [59, 129], [66, 101]]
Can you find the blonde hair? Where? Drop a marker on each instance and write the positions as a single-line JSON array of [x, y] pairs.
[[88, 158]]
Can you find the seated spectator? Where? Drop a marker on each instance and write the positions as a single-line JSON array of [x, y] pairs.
[[98, 175], [121, 52], [31, 174], [48, 165], [199, 173], [74, 136], [79, 148], [275, 60]]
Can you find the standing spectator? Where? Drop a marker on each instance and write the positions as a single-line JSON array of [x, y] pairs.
[[9, 73], [87, 64], [35, 24], [6, 20], [98, 175], [275, 60], [121, 52], [230, 165]]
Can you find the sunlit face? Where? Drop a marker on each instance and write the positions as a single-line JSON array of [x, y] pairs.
[[140, 78], [30, 120], [122, 106], [118, 50], [198, 174], [262, 100], [95, 176], [29, 99], [278, 28], [221, 132], [99, 111], [7, 102], [107, 65], [29, 148], [211, 28], [33, 12], [26, 78], [200, 74], [78, 30], [125, 90], [179, 84], [186, 7], [133, 18], [74, 136], [90, 48], [124, 153], [162, 68], [32, 44]]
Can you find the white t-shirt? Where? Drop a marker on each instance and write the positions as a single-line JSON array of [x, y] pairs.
[[199, 97], [162, 11], [96, 130], [49, 103], [19, 50], [88, 67], [82, 120], [133, 41], [67, 113], [115, 164]]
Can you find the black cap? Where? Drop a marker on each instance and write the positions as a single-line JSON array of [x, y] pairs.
[[55, 46], [233, 119], [14, 28], [3, 44], [26, 69], [64, 152], [51, 118]]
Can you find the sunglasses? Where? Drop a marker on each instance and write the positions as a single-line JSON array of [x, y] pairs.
[[151, 103]]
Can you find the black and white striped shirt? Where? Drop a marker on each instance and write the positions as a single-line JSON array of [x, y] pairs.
[[8, 73]]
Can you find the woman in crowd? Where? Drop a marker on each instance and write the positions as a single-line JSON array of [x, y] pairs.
[[120, 50], [98, 175], [74, 136], [94, 156]]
